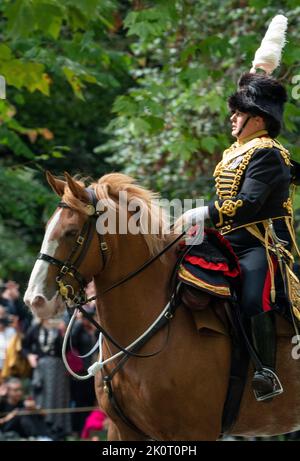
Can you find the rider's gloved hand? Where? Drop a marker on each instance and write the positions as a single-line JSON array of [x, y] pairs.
[[195, 216]]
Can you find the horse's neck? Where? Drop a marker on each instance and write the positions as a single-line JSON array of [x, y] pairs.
[[129, 309]]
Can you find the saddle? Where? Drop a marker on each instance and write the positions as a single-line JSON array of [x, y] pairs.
[[211, 267]]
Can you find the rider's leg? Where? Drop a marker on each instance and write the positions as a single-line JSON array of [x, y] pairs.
[[264, 340], [256, 305]]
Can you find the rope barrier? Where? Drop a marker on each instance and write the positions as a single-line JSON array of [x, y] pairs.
[[48, 411]]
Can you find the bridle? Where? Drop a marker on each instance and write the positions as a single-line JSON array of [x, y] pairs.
[[71, 265]]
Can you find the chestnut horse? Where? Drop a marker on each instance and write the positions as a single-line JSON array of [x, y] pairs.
[[179, 393]]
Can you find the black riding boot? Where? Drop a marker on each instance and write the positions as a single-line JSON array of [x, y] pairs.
[[265, 383]]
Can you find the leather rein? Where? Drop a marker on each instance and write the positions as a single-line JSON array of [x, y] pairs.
[[71, 267]]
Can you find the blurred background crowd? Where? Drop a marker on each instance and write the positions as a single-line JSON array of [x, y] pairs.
[[39, 399]]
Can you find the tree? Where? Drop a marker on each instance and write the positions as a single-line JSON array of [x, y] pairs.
[[172, 125], [64, 62]]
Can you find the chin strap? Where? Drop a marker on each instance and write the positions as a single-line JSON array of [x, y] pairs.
[[243, 126]]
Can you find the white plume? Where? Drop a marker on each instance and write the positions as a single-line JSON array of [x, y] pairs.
[[268, 55]]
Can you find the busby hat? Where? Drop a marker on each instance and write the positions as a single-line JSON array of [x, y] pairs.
[[259, 93]]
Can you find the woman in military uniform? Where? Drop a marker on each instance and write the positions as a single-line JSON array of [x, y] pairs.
[[253, 210]]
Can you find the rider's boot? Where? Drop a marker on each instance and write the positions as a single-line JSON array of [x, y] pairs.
[[265, 382]]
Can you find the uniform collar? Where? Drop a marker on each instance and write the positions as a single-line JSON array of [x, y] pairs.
[[257, 134]]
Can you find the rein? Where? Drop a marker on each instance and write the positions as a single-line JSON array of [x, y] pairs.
[[141, 268], [70, 267]]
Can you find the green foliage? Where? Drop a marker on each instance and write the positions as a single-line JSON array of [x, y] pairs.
[[64, 62], [48, 42], [152, 22], [25, 206], [172, 126]]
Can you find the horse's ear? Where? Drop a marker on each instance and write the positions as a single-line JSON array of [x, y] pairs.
[[57, 185], [77, 190]]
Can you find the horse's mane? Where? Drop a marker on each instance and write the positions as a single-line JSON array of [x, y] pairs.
[[152, 215]]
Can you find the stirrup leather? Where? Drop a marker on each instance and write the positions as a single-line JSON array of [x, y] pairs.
[[277, 387]]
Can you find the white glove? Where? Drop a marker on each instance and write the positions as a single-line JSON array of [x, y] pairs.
[[195, 215]]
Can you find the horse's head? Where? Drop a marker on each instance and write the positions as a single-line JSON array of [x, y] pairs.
[[67, 260], [71, 254]]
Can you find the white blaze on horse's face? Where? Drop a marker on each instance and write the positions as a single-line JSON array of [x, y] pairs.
[[38, 293]]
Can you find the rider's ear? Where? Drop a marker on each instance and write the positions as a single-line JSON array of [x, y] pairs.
[[57, 184], [76, 189]]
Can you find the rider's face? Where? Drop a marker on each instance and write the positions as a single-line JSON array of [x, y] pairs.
[[238, 119]]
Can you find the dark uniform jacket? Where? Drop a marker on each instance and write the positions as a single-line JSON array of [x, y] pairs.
[[252, 184]]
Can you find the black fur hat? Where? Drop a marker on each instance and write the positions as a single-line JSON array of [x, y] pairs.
[[260, 94]]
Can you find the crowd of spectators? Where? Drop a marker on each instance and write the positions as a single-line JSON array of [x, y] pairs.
[[39, 399]]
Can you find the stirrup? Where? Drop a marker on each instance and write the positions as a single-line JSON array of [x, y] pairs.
[[277, 387]]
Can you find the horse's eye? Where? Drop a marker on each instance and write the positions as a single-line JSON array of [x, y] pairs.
[[71, 233]]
